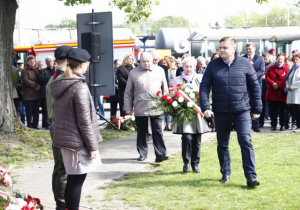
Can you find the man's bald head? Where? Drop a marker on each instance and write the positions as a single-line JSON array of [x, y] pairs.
[[146, 60], [155, 57]]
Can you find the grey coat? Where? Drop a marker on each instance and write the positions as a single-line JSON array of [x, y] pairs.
[[293, 97], [142, 81]]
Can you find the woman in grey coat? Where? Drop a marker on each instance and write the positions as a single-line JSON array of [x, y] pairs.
[[292, 81], [191, 133]]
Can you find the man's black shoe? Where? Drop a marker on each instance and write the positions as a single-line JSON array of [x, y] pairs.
[[273, 128], [256, 130], [282, 128], [186, 168], [225, 179], [251, 182], [196, 169], [161, 158], [142, 158]]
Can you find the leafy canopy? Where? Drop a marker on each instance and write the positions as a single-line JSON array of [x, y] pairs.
[[75, 2], [65, 23], [137, 10], [152, 26], [275, 17]]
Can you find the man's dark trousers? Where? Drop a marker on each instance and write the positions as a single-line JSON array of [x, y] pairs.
[[242, 125], [157, 135], [32, 113], [45, 119], [59, 176]]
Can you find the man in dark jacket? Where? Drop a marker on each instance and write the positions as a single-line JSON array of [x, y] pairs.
[[234, 84], [258, 65], [44, 77]]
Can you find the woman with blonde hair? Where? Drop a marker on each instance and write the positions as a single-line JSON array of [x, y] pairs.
[[76, 126], [122, 75]]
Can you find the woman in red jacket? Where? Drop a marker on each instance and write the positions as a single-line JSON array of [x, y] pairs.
[[275, 79]]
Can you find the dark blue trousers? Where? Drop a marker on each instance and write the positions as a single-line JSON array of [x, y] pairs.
[[32, 113], [242, 126]]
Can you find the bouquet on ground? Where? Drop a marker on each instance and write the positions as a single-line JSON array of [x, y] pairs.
[[182, 104], [13, 200], [123, 123]]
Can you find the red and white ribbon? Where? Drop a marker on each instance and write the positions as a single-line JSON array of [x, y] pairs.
[[188, 99]]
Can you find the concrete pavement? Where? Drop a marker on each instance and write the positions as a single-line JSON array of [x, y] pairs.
[[118, 158]]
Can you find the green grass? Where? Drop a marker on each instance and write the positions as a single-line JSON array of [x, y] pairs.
[[277, 165], [108, 134], [29, 145]]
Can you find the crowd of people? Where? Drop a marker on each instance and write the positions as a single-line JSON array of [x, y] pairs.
[[246, 90]]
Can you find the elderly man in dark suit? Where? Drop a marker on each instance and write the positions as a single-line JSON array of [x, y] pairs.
[[258, 65]]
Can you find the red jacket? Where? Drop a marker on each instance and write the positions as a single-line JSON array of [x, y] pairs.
[[276, 75]]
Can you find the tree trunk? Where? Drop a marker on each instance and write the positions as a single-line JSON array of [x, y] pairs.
[[8, 113]]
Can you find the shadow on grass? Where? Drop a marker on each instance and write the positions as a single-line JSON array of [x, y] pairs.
[[168, 179]]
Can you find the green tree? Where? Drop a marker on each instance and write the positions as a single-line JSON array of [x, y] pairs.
[[75, 2], [169, 22], [152, 26], [277, 16], [65, 23], [137, 10]]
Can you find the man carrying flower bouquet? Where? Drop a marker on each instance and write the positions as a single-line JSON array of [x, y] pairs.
[[146, 78], [234, 85]]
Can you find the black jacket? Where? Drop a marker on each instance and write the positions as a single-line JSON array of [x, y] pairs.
[[166, 72], [122, 76], [44, 77], [232, 87]]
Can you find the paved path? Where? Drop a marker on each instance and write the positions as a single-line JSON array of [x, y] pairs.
[[118, 157]]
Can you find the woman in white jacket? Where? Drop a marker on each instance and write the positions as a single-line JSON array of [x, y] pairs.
[[292, 81], [191, 133]]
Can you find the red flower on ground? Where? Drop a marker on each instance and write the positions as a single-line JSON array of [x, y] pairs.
[[197, 95], [164, 97], [170, 100], [158, 93], [176, 95]]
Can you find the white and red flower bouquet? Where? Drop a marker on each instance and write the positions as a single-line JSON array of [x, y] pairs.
[[182, 104], [123, 123], [12, 200]]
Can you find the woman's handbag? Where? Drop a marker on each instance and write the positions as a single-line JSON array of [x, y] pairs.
[[283, 90]]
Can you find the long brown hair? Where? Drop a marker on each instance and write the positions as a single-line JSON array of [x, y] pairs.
[[73, 64]]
